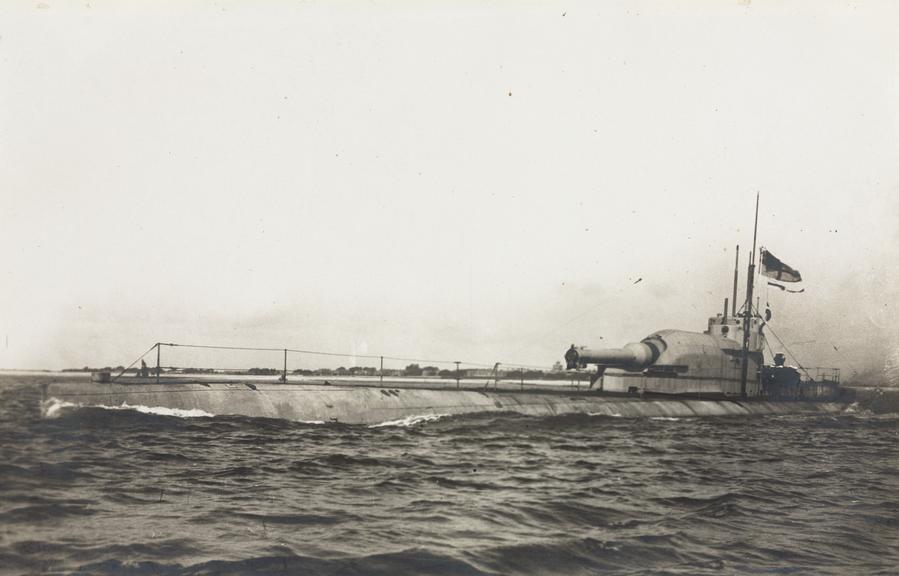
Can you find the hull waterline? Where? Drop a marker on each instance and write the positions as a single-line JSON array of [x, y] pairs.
[[365, 404]]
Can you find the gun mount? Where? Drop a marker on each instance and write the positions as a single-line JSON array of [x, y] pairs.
[[676, 361]]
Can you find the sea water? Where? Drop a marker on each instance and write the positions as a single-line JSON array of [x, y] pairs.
[[123, 491]]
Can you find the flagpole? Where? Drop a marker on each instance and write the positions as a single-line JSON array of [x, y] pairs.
[[747, 311]]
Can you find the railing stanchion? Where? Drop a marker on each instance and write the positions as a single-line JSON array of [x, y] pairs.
[[457, 373], [381, 371], [158, 348]]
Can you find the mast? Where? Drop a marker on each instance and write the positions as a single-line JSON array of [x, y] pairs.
[[736, 278], [747, 308]]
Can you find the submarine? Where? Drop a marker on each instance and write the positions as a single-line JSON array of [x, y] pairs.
[[670, 373], [720, 371]]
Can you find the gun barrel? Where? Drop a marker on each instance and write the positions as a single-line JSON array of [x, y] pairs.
[[635, 355]]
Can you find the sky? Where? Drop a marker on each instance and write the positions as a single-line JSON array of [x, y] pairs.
[[441, 180]]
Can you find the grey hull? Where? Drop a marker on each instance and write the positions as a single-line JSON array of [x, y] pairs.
[[355, 404]]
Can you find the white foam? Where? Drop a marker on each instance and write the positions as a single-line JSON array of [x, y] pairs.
[[410, 420], [162, 411], [666, 418], [52, 407]]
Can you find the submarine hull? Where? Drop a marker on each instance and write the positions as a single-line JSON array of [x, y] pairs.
[[355, 404]]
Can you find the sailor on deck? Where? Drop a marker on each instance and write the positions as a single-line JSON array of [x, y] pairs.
[[571, 357]]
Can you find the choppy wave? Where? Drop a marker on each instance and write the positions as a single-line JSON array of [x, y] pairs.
[[410, 420], [163, 411], [53, 407], [123, 490]]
